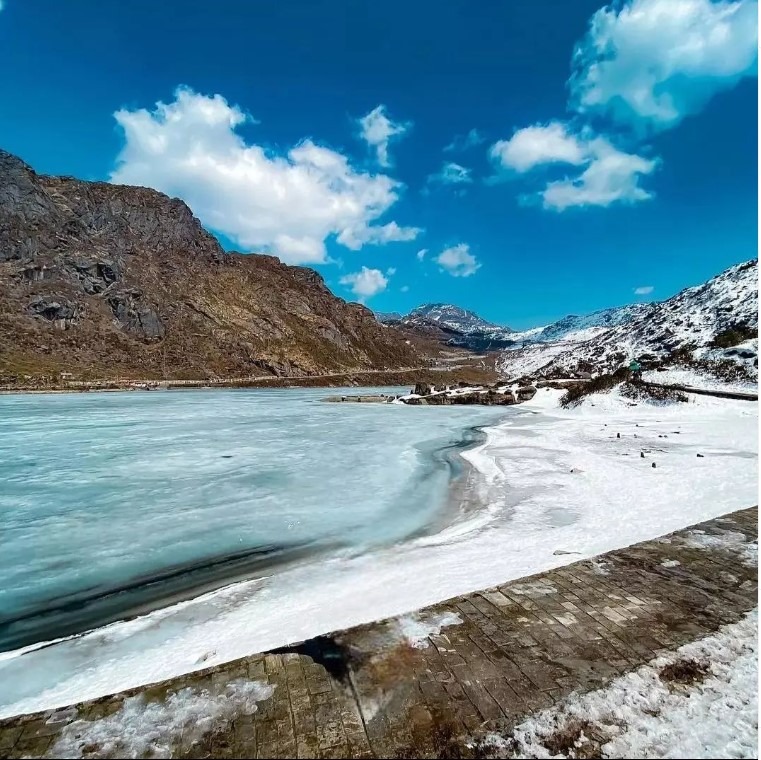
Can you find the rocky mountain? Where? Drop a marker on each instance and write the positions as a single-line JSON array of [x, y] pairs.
[[104, 280], [716, 322], [452, 326], [388, 316], [454, 318]]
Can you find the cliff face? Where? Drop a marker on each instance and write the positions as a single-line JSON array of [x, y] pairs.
[[105, 280]]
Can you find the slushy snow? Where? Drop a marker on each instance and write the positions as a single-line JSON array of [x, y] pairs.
[[642, 714], [150, 729]]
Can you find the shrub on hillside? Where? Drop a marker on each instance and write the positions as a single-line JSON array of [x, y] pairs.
[[598, 384], [652, 393], [732, 336]]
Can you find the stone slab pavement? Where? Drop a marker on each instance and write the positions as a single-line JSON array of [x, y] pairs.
[[428, 683]]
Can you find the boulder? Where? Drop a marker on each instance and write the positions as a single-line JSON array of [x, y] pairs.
[[52, 308], [134, 317], [525, 393]]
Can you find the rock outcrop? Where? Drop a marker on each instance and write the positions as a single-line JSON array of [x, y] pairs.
[[112, 281], [495, 395]]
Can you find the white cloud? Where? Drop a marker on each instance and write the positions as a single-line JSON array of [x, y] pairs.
[[539, 144], [464, 142], [365, 283], [458, 261], [377, 130], [355, 237], [646, 63], [653, 62], [405, 288], [451, 174], [611, 176], [644, 290], [287, 204], [391, 271], [421, 254]]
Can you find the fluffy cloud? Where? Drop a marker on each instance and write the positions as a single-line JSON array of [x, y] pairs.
[[421, 254], [611, 176], [458, 261], [464, 142], [644, 290], [451, 174], [287, 204], [645, 63], [366, 283], [653, 62], [377, 130], [539, 144]]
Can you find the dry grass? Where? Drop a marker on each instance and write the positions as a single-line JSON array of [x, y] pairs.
[[684, 672]]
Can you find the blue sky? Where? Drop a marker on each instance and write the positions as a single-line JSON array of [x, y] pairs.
[[592, 151]]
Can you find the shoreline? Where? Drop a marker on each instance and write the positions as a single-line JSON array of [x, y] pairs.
[[358, 378]]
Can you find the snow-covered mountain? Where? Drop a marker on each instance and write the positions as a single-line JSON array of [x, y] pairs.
[[388, 316], [587, 325], [712, 322], [453, 326], [455, 318]]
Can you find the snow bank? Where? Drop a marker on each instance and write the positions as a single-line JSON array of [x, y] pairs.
[[643, 714]]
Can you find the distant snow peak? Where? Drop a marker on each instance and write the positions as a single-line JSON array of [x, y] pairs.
[[454, 318]]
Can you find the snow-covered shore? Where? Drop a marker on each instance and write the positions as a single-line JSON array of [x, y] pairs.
[[551, 481]]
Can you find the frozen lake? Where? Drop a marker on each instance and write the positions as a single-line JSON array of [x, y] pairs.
[[115, 503]]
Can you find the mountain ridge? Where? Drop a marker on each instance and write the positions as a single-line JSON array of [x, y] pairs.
[[103, 279], [708, 324]]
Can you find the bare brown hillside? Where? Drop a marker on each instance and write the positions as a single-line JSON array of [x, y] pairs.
[[106, 281]]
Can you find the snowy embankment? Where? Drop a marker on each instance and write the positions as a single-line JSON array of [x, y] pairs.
[[701, 701], [694, 379], [548, 487]]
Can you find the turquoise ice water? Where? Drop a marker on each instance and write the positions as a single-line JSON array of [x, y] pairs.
[[99, 492]]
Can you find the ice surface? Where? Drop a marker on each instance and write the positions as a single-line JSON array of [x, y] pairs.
[[102, 492]]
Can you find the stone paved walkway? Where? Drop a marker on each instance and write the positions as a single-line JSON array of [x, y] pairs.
[[422, 685]]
